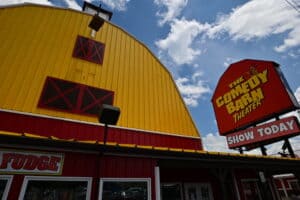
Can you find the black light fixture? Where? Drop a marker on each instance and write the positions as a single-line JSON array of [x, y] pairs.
[[100, 15], [108, 115], [96, 22]]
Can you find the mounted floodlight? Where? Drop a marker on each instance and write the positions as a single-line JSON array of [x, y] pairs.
[[109, 114], [96, 23], [100, 15]]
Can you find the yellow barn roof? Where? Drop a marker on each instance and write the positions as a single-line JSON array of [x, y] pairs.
[[38, 42]]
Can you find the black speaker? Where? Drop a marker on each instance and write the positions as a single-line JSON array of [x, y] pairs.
[[109, 114]]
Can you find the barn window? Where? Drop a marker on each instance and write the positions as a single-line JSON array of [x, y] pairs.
[[88, 49], [45, 187], [73, 97]]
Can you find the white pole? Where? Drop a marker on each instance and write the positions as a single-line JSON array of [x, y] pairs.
[[157, 183], [235, 185], [283, 187]]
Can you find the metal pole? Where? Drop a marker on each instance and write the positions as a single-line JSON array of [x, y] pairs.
[[241, 150], [263, 150], [97, 178], [105, 134], [289, 147]]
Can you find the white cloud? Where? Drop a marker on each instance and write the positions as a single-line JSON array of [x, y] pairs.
[[69, 3], [174, 8], [293, 54], [178, 43], [116, 4], [73, 4], [215, 142], [228, 61], [261, 18], [253, 20], [12, 2], [292, 40], [192, 89]]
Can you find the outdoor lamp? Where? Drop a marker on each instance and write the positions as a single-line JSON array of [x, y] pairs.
[[108, 115], [96, 22], [100, 15]]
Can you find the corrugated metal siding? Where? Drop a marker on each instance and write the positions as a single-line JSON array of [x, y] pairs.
[[37, 42], [95, 166], [62, 129], [127, 167]]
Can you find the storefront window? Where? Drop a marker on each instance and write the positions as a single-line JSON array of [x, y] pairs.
[[125, 189], [171, 191], [5, 182], [56, 188]]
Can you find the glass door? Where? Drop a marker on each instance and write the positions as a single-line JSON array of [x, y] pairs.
[[198, 191], [251, 190]]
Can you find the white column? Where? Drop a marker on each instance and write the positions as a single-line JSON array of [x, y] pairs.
[[235, 185], [283, 187], [157, 183]]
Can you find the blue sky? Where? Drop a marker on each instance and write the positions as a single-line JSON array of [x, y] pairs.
[[198, 39]]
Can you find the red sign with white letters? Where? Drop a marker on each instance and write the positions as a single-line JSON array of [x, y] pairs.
[[273, 130], [250, 92], [30, 162]]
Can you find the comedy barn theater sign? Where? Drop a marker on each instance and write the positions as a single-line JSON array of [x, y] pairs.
[[250, 92]]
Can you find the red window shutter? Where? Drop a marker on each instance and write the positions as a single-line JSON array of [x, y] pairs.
[[73, 97], [88, 49]]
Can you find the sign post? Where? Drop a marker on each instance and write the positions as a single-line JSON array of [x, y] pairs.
[[289, 147]]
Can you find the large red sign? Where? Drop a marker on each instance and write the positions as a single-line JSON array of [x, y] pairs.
[[249, 92], [30, 162], [266, 132]]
